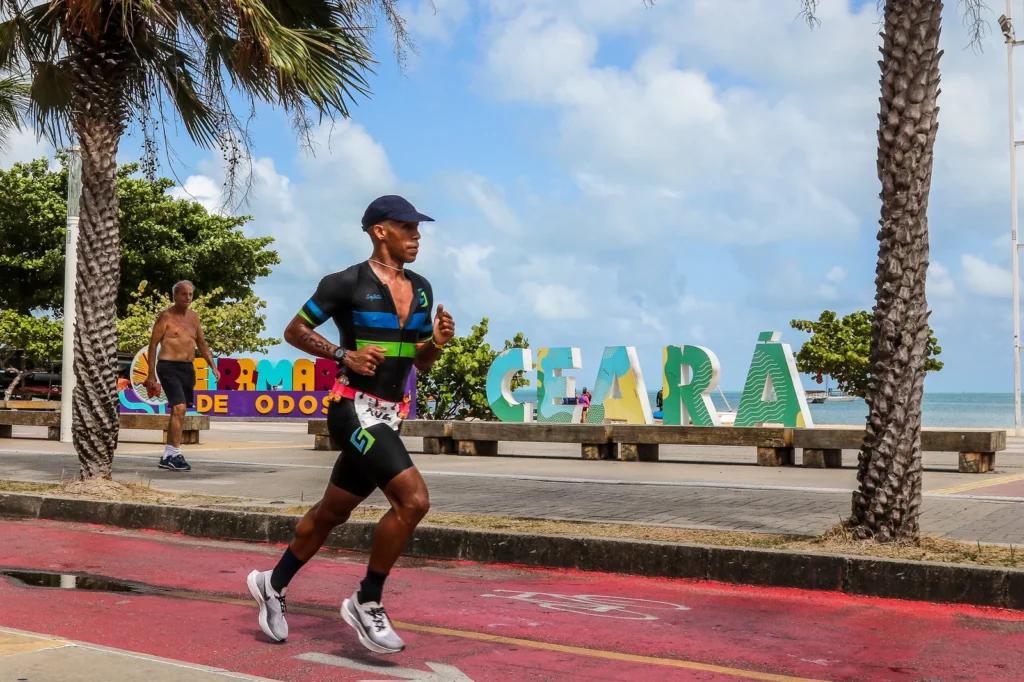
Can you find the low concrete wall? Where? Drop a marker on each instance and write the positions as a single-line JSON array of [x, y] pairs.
[[933, 582]]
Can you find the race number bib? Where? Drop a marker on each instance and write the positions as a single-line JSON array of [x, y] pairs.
[[372, 411]]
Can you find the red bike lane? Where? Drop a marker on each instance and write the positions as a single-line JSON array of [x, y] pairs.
[[465, 621]]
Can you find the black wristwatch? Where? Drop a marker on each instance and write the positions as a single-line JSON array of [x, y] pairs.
[[339, 354]]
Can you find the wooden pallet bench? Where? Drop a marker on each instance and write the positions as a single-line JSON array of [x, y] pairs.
[[29, 404], [776, 446], [193, 424], [977, 448]]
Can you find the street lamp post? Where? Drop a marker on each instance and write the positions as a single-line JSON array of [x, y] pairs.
[[67, 380], [1006, 24]]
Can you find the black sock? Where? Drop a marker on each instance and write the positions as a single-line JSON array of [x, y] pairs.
[[372, 587], [285, 570]]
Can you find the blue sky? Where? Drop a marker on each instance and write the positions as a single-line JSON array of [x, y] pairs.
[[605, 174]]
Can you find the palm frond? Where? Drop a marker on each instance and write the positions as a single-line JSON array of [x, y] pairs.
[[51, 99], [13, 103]]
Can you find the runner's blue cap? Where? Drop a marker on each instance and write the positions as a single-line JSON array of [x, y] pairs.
[[392, 207]]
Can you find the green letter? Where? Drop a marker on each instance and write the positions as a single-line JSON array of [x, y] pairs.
[[773, 393], [691, 373]]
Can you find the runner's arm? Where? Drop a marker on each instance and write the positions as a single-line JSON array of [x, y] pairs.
[[436, 335], [301, 334], [154, 339]]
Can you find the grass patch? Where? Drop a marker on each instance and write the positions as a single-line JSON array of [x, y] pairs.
[[114, 491], [834, 541]]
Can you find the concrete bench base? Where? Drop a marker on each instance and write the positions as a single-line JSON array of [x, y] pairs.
[[476, 448], [599, 450], [638, 452], [976, 462], [822, 458], [439, 446], [774, 457]]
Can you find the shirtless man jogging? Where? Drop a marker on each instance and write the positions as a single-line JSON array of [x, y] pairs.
[[382, 311], [178, 332]]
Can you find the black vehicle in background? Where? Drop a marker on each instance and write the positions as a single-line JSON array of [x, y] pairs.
[[39, 383]]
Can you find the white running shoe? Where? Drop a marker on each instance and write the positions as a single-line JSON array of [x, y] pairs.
[[372, 625], [272, 605]]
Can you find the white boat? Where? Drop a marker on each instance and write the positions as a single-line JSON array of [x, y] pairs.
[[833, 395]]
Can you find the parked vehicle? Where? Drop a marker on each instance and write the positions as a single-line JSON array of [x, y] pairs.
[[41, 383]]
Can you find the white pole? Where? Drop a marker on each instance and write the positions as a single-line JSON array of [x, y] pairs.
[[67, 381]]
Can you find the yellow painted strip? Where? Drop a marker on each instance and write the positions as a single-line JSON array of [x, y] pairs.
[[513, 641], [11, 644], [974, 485]]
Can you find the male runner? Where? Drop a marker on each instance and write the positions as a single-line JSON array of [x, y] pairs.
[[382, 311], [177, 330]]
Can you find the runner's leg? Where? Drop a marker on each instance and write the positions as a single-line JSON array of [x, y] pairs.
[[331, 511], [347, 488], [389, 465], [410, 502]]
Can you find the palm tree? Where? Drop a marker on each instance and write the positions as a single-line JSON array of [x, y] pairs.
[[13, 104], [887, 504], [97, 65]]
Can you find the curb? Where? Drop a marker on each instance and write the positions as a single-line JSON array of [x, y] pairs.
[[855, 575]]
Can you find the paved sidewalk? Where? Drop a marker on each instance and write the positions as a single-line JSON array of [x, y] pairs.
[[277, 464]]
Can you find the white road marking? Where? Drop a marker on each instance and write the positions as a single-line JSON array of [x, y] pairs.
[[441, 672], [603, 606]]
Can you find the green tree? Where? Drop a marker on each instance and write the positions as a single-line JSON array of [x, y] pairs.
[[30, 341], [887, 504], [840, 348], [457, 383], [163, 239], [96, 66], [228, 326]]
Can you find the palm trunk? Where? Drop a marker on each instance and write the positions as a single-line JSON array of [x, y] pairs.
[[99, 123], [887, 504]]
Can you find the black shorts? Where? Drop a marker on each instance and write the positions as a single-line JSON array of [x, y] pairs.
[[178, 379], [370, 457]]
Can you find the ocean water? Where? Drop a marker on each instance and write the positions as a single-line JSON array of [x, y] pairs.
[[979, 410]]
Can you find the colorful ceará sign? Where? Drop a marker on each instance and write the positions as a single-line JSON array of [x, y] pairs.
[[248, 388], [772, 393]]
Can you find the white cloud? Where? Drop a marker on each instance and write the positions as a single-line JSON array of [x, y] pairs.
[[555, 301], [22, 146], [662, 129], [436, 19], [201, 189], [489, 199], [836, 274], [940, 283], [986, 279]]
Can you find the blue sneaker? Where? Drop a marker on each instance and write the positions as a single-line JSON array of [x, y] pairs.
[[175, 463]]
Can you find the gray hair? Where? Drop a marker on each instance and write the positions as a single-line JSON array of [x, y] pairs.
[[174, 289]]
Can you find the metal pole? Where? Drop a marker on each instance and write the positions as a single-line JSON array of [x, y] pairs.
[[67, 381]]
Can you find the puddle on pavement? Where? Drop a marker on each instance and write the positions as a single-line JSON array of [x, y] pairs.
[[70, 581]]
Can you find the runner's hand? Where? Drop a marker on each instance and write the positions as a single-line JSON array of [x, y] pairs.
[[365, 360], [444, 327], [216, 373]]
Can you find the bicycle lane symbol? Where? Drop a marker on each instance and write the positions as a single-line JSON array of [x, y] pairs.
[[602, 606]]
